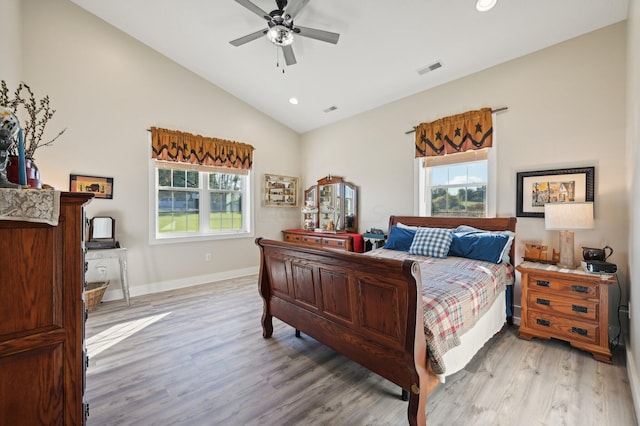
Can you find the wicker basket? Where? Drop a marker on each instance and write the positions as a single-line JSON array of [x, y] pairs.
[[93, 294]]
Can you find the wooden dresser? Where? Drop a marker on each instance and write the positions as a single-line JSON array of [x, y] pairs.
[[570, 305], [341, 241], [42, 315]]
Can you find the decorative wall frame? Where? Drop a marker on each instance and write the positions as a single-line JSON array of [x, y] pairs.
[[535, 189], [101, 187], [280, 191]]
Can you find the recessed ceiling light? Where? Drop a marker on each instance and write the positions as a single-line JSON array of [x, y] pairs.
[[485, 5], [293, 101]]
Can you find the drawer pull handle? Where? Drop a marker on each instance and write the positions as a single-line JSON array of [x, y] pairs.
[[580, 331], [546, 323], [542, 283], [339, 243], [543, 301], [580, 289], [578, 308]]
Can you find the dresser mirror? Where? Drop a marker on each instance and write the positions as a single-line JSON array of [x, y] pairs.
[[331, 206], [102, 233]]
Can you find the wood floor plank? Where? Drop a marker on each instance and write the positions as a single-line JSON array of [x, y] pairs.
[[205, 363]]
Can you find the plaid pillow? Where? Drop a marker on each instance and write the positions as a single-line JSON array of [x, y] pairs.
[[434, 242]]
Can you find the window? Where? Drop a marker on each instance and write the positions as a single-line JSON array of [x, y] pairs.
[[458, 190], [457, 185], [195, 202]]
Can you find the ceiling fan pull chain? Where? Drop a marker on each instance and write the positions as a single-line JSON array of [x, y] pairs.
[[278, 59]]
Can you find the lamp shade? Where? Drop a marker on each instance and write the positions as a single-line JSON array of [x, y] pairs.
[[564, 216]]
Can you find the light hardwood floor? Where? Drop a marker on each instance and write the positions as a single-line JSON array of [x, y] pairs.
[[196, 356]]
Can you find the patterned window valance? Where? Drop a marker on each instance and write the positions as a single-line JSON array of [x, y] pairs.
[[454, 134], [182, 147]]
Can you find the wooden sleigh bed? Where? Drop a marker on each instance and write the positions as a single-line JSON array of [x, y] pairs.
[[367, 308]]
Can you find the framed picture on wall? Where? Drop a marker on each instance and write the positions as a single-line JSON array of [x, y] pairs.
[[101, 187], [280, 191], [535, 189]]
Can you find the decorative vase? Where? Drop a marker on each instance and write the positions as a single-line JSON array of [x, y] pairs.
[[33, 174]]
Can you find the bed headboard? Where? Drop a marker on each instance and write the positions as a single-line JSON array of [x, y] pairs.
[[489, 224]]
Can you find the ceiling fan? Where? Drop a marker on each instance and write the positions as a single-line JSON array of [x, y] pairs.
[[281, 29]]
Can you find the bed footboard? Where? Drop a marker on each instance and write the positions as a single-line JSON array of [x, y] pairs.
[[362, 307]]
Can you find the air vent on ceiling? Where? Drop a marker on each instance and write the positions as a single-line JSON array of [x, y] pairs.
[[331, 108], [429, 68]]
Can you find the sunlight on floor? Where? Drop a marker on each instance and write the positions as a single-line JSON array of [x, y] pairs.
[[113, 335]]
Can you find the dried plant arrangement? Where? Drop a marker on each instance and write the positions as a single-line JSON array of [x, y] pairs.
[[33, 114]]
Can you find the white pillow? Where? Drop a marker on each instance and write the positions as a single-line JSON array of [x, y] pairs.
[[403, 226]]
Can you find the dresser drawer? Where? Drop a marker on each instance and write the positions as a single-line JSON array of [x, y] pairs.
[[293, 238], [566, 287], [334, 243], [564, 328], [572, 307], [311, 240], [303, 239]]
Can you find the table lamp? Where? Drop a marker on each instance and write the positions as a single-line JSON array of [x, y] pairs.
[[565, 217]]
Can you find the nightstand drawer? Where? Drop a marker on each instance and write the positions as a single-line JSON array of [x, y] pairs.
[[566, 287], [552, 303], [564, 328]]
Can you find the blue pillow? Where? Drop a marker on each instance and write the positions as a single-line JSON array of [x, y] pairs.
[[434, 242], [485, 246], [464, 229], [399, 239]]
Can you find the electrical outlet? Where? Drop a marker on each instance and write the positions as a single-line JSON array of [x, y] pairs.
[[207, 257]]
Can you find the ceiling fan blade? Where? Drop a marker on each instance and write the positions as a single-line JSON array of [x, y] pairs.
[[250, 37], [296, 7], [321, 35], [255, 9], [289, 57]]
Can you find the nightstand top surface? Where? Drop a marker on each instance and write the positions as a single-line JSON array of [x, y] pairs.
[[553, 268]]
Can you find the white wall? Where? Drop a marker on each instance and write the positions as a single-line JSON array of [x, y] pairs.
[[11, 57], [566, 109], [108, 89], [633, 175]]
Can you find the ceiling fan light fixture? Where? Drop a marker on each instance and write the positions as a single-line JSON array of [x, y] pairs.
[[485, 5], [280, 35]]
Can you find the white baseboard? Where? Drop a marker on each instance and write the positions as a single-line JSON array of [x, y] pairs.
[[114, 292], [634, 379]]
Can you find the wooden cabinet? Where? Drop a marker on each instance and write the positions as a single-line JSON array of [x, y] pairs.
[[318, 239], [42, 364], [331, 204], [567, 305]]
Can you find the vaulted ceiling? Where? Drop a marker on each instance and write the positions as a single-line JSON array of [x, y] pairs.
[[382, 47]]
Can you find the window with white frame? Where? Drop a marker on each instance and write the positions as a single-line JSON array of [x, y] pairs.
[[457, 185], [197, 202]]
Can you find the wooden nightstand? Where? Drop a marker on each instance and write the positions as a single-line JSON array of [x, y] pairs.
[[566, 304]]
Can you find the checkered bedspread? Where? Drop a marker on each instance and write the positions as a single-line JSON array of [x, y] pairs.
[[456, 292]]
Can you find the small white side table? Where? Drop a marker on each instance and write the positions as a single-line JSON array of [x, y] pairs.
[[113, 253]]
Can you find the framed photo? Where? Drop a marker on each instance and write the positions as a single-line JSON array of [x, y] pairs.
[[535, 189], [101, 187], [280, 191]]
